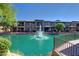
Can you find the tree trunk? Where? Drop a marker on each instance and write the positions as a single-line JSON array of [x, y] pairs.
[[59, 31], [4, 28]]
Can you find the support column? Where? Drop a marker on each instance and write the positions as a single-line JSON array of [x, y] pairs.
[[17, 29], [24, 26]]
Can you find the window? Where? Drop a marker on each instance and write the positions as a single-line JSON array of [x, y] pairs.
[[20, 23], [21, 29], [77, 25], [38, 23], [47, 23]]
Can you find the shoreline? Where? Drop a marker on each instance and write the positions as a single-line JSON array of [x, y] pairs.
[[12, 54]]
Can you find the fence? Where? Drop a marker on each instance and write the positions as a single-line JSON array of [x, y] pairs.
[[63, 44]]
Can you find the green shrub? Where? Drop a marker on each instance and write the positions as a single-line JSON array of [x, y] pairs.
[[60, 26], [4, 46]]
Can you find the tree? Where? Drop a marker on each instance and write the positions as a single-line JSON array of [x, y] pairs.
[[60, 26], [7, 15], [4, 46]]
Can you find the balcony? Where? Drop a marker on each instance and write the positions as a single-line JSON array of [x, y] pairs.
[[20, 24]]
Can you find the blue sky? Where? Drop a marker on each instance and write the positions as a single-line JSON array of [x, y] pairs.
[[52, 12]]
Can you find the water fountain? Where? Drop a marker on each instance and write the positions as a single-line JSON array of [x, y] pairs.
[[39, 35]]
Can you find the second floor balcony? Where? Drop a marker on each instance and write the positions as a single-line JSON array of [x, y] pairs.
[[20, 24]]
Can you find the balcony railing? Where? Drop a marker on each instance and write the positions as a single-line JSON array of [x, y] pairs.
[[67, 44]]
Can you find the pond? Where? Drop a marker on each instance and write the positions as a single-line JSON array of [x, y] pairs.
[[29, 46]]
